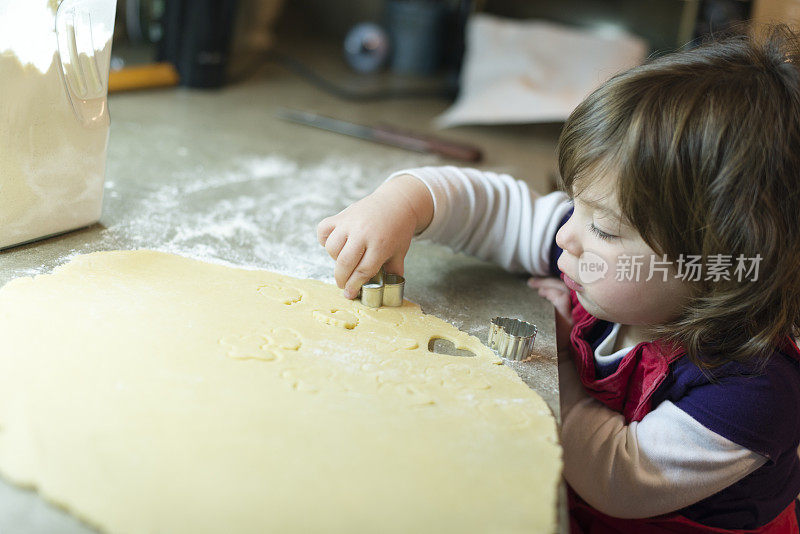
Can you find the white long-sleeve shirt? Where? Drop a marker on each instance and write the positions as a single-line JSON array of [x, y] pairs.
[[659, 465]]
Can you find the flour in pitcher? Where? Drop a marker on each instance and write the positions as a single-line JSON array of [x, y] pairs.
[[52, 161]]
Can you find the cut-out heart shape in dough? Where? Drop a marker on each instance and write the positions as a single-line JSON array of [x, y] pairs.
[[445, 346]]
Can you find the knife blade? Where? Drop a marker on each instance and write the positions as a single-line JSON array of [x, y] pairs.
[[385, 134]]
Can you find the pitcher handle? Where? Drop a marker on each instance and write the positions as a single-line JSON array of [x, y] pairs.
[[79, 26]]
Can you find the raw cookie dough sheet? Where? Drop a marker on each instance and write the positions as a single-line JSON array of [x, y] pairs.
[[146, 392]]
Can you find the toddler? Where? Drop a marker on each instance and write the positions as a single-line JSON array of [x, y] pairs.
[[677, 237]]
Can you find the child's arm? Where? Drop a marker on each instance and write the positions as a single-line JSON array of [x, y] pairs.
[[659, 465], [493, 217], [488, 215]]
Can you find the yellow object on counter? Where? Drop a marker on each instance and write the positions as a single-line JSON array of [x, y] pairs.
[[149, 76]]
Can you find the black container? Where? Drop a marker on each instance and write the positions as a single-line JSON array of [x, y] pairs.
[[416, 29], [197, 40]]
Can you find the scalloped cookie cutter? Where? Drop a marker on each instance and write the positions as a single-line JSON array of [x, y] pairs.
[[512, 339], [383, 289]]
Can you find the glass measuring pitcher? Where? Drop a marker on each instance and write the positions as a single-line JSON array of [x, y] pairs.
[[54, 60]]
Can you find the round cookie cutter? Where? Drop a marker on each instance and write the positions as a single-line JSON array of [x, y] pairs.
[[512, 339]]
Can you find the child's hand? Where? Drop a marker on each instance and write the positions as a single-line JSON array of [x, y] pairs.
[[557, 293], [376, 231]]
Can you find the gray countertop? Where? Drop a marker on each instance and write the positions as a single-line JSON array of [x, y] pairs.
[[213, 175]]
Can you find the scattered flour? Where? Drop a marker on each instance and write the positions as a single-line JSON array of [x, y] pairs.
[[260, 213]]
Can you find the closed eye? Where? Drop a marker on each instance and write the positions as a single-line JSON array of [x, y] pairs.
[[601, 234]]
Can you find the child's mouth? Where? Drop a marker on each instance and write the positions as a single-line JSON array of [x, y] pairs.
[[572, 284]]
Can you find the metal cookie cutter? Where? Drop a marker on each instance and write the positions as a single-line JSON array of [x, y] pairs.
[[383, 290], [512, 339]]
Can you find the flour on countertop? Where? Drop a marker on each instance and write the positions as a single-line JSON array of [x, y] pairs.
[[261, 213]]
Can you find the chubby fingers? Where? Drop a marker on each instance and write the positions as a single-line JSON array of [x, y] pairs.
[[347, 260], [561, 302], [553, 295], [324, 229], [554, 290], [369, 265], [335, 242], [548, 282]]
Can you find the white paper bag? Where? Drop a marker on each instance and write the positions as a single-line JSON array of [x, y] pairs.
[[518, 71]]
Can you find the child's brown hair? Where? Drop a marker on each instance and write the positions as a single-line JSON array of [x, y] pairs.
[[705, 144]]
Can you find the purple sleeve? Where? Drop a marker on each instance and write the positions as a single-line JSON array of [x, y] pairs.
[[760, 412], [555, 250]]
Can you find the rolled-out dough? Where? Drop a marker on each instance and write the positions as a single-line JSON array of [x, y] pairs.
[[150, 393]]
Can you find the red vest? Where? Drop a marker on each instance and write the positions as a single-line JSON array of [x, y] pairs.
[[629, 391]]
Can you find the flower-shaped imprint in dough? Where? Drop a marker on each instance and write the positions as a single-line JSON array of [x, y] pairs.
[[283, 294], [284, 338], [395, 376], [458, 376], [341, 318], [250, 347]]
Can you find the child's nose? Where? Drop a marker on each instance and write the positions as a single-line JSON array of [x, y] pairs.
[[566, 238]]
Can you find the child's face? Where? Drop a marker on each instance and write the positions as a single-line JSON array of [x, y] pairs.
[[595, 237]]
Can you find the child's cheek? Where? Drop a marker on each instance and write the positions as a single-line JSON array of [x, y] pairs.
[[608, 282], [597, 267]]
